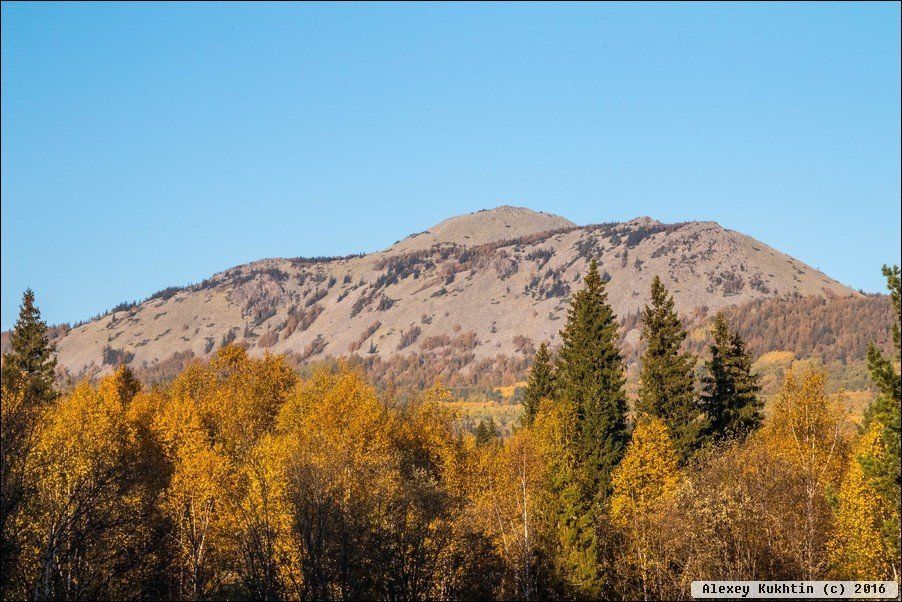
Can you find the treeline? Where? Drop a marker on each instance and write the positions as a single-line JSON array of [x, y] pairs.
[[241, 479], [829, 329], [834, 331]]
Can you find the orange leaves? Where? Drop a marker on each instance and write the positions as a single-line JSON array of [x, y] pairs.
[[83, 434], [337, 416], [210, 426], [86, 498], [249, 481]]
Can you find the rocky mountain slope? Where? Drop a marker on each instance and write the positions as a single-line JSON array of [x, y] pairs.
[[474, 287]]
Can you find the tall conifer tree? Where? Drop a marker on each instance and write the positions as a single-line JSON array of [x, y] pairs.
[[590, 376], [540, 385], [590, 373], [884, 415], [730, 389], [27, 387], [666, 389], [31, 363]]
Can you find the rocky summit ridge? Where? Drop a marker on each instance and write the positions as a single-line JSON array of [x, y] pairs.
[[473, 288]]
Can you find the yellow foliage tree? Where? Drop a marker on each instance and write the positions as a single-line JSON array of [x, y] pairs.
[[858, 549], [508, 502], [648, 474], [643, 483], [336, 443], [267, 559], [805, 434], [247, 398], [210, 427], [86, 513], [435, 477], [197, 501]]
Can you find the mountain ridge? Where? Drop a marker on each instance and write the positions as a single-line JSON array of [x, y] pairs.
[[472, 287]]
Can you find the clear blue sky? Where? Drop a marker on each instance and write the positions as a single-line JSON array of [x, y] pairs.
[[147, 146]]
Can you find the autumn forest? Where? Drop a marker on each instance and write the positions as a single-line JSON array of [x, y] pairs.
[[243, 478]]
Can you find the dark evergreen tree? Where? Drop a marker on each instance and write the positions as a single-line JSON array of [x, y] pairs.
[[716, 385], [729, 388], [31, 365], [745, 413], [540, 385], [666, 387], [590, 375], [486, 432], [27, 387], [127, 385], [885, 409]]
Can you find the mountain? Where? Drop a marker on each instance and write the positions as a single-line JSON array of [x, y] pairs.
[[483, 227], [473, 288]]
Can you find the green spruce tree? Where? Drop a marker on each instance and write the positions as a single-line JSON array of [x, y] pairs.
[[729, 388], [590, 375], [486, 432], [885, 409], [127, 384], [745, 413], [30, 364], [27, 387], [666, 388], [540, 385]]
